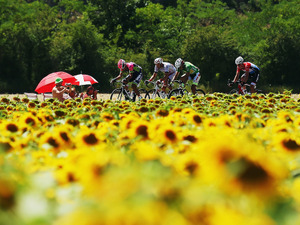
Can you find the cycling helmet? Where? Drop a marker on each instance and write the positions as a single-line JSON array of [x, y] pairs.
[[158, 61], [121, 64], [239, 60], [178, 63]]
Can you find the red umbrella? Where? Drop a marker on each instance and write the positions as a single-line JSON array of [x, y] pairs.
[[48, 82], [84, 79]]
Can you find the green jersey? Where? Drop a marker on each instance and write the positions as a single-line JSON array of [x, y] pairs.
[[189, 68]]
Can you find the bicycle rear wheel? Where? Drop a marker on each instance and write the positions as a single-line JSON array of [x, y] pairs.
[[200, 92], [152, 94], [260, 92], [234, 91], [117, 95], [175, 93]]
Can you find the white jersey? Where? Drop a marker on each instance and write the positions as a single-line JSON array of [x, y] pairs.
[[167, 68]]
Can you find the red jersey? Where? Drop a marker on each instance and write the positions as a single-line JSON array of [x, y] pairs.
[[247, 66]]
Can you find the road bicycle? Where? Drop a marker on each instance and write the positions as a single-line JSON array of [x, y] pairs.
[[240, 90], [181, 90], [155, 90], [122, 93]]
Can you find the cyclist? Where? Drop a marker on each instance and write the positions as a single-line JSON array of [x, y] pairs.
[[135, 75], [251, 74], [167, 68], [192, 72]]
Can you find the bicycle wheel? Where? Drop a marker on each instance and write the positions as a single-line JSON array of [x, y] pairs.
[[143, 93], [200, 92], [175, 93], [152, 94], [234, 91], [259, 91], [117, 95]]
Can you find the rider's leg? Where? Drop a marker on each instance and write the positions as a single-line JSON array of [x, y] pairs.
[[135, 89], [184, 78], [193, 88], [164, 87], [253, 80], [252, 88], [136, 79], [196, 80]]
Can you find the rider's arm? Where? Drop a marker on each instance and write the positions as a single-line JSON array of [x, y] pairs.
[[236, 76], [187, 74], [153, 76], [130, 74], [119, 76], [55, 91], [176, 75]]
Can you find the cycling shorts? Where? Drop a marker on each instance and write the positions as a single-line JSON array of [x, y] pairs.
[[170, 77], [195, 78], [136, 77], [253, 77]]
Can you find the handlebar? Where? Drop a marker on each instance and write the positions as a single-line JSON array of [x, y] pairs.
[[230, 83], [153, 83], [115, 82], [179, 82]]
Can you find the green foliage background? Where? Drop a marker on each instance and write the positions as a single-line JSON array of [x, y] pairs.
[[89, 36]]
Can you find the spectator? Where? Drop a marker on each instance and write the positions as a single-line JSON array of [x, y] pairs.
[[59, 90], [73, 93], [90, 93]]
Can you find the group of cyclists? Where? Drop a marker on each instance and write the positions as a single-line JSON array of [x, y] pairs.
[[190, 72]]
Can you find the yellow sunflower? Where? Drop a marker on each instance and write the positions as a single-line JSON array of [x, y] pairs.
[[88, 138], [239, 166]]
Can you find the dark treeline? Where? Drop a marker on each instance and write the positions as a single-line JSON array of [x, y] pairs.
[[38, 37]]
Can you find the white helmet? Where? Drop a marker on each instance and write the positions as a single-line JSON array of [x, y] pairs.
[[178, 63], [158, 61], [239, 60]]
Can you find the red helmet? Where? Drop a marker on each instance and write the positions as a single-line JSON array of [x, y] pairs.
[[121, 64]]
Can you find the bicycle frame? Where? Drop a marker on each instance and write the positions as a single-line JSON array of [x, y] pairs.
[[241, 90], [122, 91], [156, 91], [181, 90]]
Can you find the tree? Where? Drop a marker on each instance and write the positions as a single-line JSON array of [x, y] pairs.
[[24, 32]]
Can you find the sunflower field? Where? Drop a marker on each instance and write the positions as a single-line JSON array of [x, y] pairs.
[[209, 160]]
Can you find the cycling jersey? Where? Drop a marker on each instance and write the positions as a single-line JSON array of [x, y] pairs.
[[166, 68], [248, 66], [135, 72], [189, 68], [132, 67]]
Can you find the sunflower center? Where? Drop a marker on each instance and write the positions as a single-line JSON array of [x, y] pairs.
[[64, 136], [191, 167], [30, 121], [53, 142], [291, 145], [252, 173], [90, 139], [190, 138], [142, 130], [163, 113], [12, 127], [197, 119], [170, 135]]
